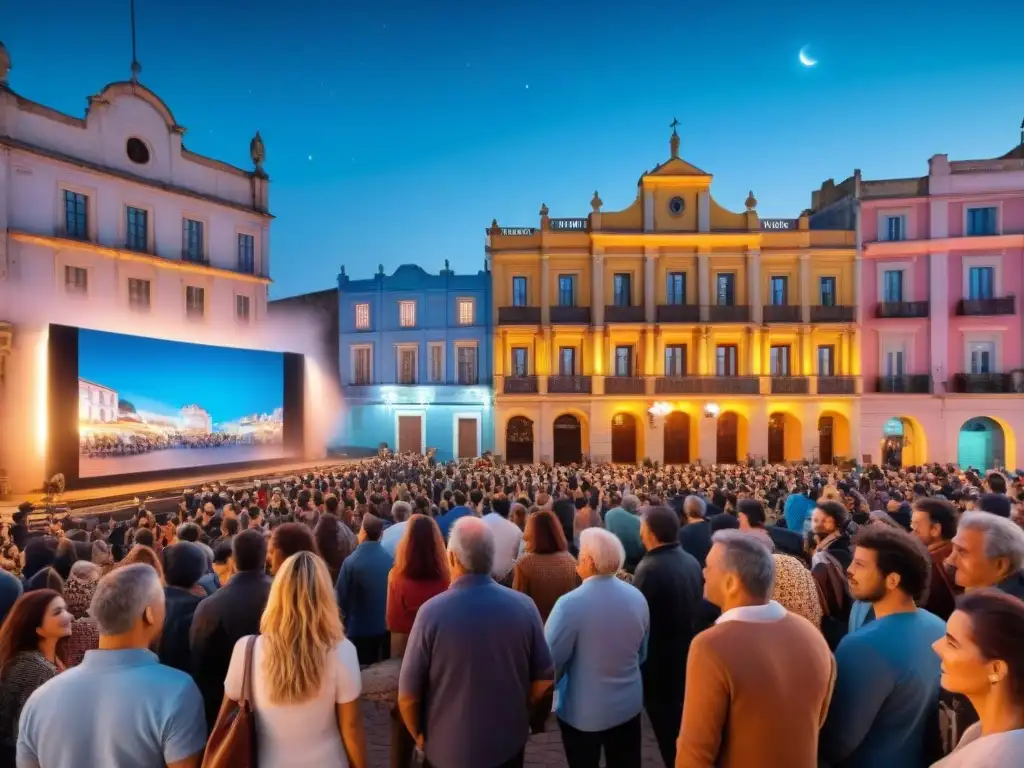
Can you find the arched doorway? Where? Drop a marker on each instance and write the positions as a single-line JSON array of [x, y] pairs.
[[677, 438], [568, 440], [728, 438], [826, 439], [777, 438], [519, 440], [981, 444], [903, 443], [624, 438]]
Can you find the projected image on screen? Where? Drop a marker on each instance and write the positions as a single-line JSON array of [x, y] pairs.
[[148, 405]]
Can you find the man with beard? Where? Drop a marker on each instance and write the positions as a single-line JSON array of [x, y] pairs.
[[887, 683]]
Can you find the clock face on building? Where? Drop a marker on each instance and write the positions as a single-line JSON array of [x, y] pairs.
[[676, 205]]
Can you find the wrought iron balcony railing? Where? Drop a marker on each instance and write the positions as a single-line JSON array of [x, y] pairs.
[[624, 385], [913, 384], [569, 385], [901, 309], [518, 315]]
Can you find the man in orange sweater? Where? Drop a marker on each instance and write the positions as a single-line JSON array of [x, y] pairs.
[[758, 683]]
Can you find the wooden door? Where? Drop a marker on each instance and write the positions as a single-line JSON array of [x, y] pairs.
[[776, 438], [728, 438], [826, 427], [467, 439], [623, 439], [519, 441], [568, 440], [677, 438], [410, 434]]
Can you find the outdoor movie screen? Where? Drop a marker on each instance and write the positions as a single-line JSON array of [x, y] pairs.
[[150, 405]]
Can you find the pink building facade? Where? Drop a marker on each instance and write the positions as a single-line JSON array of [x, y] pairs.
[[941, 264]]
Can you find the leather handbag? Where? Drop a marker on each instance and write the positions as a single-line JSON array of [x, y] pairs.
[[232, 743]]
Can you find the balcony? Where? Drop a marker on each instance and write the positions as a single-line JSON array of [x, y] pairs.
[[914, 384], [781, 313], [570, 315], [616, 314], [901, 309], [837, 385], [192, 257], [706, 385], [520, 385], [1004, 305], [678, 313], [569, 385], [624, 385], [823, 314], [729, 314], [790, 385], [981, 383], [518, 315]]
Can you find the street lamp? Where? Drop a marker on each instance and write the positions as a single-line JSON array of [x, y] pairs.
[[711, 410]]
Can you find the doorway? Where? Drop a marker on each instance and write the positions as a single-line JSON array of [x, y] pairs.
[[677, 438], [623, 438], [568, 440], [519, 441]]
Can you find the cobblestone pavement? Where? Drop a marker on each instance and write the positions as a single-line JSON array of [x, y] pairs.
[[543, 751]]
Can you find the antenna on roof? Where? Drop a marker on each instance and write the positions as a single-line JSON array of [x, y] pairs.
[[136, 67]]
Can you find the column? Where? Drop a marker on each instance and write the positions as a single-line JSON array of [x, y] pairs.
[[597, 288], [938, 311], [500, 353], [703, 286], [805, 288], [766, 352], [755, 294], [551, 366], [803, 363], [858, 292], [545, 291], [659, 352], [841, 361], [648, 352], [702, 351], [704, 211], [707, 439], [650, 260], [749, 353], [598, 352]]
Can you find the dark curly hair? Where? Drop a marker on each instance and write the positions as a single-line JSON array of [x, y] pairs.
[[901, 553]]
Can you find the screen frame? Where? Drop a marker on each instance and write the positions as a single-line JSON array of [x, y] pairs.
[[62, 450]]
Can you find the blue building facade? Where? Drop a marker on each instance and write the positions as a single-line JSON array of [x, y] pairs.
[[415, 362]]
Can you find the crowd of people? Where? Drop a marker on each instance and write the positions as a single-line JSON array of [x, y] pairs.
[[131, 444], [761, 616]]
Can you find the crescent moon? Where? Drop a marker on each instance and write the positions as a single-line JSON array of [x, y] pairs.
[[806, 60]]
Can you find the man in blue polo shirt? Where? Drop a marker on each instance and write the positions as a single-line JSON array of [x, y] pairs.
[[460, 510], [476, 655], [119, 708]]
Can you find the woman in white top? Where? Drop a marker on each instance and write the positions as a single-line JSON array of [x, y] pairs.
[[983, 659], [305, 677]]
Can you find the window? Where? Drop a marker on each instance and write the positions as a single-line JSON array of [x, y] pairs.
[[725, 360], [567, 361], [195, 301], [623, 361], [519, 297], [623, 290], [675, 360], [363, 317], [137, 151], [246, 253], [726, 294], [466, 372], [827, 360], [981, 283], [361, 362], [76, 279], [465, 311], [76, 215], [894, 362], [520, 361], [779, 362], [675, 288], [192, 240], [827, 291], [407, 314], [138, 293], [981, 221], [983, 356], [435, 368], [894, 227], [893, 285], [137, 229], [407, 365], [779, 294], [566, 291], [242, 308]]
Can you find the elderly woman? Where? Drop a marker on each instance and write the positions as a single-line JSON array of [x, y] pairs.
[[78, 594]]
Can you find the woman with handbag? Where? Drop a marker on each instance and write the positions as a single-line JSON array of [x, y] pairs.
[[296, 685]]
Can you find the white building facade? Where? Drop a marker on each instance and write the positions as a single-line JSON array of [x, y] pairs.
[[108, 222]]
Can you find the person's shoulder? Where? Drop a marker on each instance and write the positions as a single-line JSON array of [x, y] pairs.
[[346, 655]]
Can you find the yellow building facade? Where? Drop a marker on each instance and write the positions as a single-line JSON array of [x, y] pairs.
[[674, 330]]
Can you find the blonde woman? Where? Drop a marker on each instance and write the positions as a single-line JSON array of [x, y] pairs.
[[305, 677]]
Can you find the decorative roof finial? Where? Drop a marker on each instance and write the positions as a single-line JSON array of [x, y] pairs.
[[446, 267], [2, 79], [257, 152], [5, 64], [751, 201], [543, 209], [674, 141], [343, 270], [596, 202], [136, 67], [380, 269]]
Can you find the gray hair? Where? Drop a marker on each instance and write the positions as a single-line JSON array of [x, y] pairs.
[[472, 542], [630, 502], [400, 511], [694, 506], [85, 571], [604, 549], [1002, 536], [122, 595], [750, 560]]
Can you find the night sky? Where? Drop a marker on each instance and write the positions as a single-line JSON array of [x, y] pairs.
[[396, 131]]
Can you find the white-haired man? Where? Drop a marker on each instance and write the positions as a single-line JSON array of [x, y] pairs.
[[139, 712], [463, 708], [598, 638], [988, 551]]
